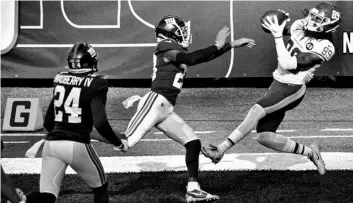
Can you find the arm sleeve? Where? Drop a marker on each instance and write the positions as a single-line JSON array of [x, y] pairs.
[[49, 121], [196, 57], [100, 120], [220, 52]]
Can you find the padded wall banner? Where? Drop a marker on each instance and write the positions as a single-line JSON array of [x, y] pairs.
[[36, 35]]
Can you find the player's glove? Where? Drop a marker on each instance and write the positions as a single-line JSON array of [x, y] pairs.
[[129, 102], [242, 42], [274, 27], [221, 37], [124, 147], [21, 195]]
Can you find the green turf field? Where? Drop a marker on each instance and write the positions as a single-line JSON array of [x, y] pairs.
[[325, 116]]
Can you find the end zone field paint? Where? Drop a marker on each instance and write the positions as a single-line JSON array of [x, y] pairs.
[[233, 162]]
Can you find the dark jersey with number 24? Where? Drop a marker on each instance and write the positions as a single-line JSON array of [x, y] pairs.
[[78, 103], [167, 78]]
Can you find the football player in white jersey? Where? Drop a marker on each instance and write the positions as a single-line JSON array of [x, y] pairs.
[[309, 46]]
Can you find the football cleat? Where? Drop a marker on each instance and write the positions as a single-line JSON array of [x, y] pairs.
[[124, 147], [212, 153], [199, 195], [316, 158]]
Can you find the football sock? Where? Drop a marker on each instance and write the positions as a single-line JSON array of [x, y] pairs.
[[38, 197], [249, 123], [101, 194], [192, 185], [193, 149], [282, 143]]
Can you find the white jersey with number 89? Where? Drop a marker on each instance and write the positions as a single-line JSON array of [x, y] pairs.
[[299, 43]]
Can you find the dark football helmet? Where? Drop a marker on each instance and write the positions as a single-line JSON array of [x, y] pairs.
[[323, 18], [173, 27], [82, 58]]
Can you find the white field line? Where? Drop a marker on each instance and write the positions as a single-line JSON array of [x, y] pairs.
[[94, 45], [321, 136], [196, 132], [337, 129], [143, 140], [233, 162], [279, 131], [15, 142]]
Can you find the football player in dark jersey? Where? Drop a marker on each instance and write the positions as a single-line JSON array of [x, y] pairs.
[[155, 109], [78, 104], [8, 190], [308, 47]]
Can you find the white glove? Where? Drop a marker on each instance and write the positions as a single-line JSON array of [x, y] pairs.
[[129, 102], [274, 27], [21, 195], [221, 37]]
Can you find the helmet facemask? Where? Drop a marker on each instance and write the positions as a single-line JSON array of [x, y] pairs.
[[184, 33], [316, 21]]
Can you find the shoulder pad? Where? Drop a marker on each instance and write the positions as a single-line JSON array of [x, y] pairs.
[[100, 83], [100, 76], [168, 44]]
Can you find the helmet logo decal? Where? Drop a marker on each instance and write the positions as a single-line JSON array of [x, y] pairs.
[[309, 46], [170, 21], [335, 15], [92, 52]]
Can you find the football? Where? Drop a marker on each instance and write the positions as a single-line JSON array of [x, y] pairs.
[[280, 16]]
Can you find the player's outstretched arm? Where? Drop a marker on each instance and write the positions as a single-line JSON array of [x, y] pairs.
[[201, 55]]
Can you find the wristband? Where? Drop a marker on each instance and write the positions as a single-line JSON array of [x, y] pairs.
[[278, 37]]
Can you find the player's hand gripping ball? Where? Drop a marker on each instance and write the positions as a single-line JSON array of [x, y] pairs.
[[281, 16]]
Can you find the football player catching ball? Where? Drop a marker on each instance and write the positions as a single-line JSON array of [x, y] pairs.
[[309, 46]]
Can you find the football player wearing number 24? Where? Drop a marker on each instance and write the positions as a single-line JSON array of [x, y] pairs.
[[155, 109], [309, 46], [78, 104]]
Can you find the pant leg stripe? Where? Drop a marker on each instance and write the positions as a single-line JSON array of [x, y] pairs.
[[139, 118], [143, 116], [96, 162], [133, 122], [286, 101]]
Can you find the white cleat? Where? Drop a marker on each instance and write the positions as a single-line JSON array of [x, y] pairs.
[[199, 195], [316, 158]]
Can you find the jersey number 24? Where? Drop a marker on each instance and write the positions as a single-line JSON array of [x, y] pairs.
[[67, 107]]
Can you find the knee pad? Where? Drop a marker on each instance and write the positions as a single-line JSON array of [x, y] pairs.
[[257, 112], [40, 197]]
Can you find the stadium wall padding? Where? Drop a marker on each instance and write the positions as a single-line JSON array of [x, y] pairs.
[[122, 33]]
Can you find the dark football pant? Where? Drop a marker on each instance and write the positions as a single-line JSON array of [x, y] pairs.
[[82, 158], [280, 98]]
